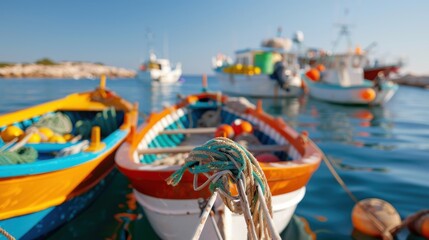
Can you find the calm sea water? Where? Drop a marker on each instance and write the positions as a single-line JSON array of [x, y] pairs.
[[380, 152]]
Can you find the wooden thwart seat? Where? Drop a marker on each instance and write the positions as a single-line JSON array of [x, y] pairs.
[[184, 149], [189, 131]]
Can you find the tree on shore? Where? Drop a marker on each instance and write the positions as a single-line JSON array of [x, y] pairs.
[[45, 61], [5, 64]]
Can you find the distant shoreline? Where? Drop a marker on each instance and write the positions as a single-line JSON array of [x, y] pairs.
[[413, 80], [75, 70]]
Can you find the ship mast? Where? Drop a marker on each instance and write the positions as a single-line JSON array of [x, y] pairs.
[[149, 39], [344, 33]]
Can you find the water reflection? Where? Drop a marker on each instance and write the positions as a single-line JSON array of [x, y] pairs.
[[298, 228], [162, 94], [339, 164], [286, 107], [359, 126], [358, 235], [352, 125]]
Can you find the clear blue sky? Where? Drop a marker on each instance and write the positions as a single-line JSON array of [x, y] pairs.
[[114, 32]]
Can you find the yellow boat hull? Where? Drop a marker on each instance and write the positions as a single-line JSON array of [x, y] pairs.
[[33, 189]]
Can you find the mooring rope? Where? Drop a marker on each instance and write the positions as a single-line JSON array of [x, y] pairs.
[[229, 163], [377, 223], [6, 234]]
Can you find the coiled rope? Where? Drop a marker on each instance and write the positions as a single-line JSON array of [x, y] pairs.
[[58, 122], [20, 156], [230, 163], [106, 120]]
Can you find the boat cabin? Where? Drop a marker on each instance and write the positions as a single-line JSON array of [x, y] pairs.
[[156, 64], [344, 69]]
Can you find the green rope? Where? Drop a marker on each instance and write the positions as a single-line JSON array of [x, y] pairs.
[[58, 122], [214, 156], [211, 157], [106, 120], [83, 128], [20, 156]]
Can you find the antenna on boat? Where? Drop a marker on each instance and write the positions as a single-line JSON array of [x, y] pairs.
[[149, 38], [344, 32], [298, 39], [165, 50], [279, 32]]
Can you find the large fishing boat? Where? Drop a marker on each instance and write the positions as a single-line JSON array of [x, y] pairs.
[[268, 71], [159, 70], [165, 139], [56, 157]]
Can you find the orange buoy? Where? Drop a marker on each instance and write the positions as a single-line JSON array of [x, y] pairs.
[[192, 99], [240, 126], [358, 50], [313, 74], [321, 67], [224, 130], [367, 94], [267, 157], [374, 216], [10, 133]]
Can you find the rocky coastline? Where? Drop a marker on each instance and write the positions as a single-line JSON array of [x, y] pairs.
[[413, 80], [75, 70]]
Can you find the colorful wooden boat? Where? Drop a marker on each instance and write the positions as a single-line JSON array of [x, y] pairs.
[[165, 139], [40, 195], [342, 82]]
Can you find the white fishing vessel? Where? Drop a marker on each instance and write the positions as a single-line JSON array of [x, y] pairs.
[[164, 142], [159, 70], [343, 82]]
